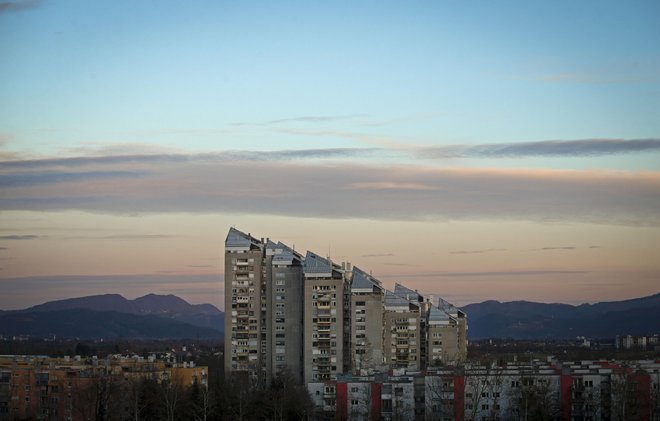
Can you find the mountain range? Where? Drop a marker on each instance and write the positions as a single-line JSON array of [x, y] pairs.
[[530, 320], [167, 316], [113, 316]]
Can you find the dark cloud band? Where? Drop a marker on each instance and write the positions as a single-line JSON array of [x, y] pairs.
[[336, 190]]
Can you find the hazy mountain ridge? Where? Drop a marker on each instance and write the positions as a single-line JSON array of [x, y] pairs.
[[148, 304], [113, 316], [528, 320], [168, 306], [90, 324]]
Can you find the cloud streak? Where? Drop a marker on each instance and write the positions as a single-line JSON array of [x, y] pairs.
[[17, 6], [475, 251], [507, 273], [317, 118], [176, 183], [548, 148], [27, 179], [19, 237]]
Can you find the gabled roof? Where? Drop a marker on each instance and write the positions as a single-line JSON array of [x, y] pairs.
[[316, 265], [364, 282]]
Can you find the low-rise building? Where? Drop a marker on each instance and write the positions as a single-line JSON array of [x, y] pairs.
[[40, 387], [583, 390]]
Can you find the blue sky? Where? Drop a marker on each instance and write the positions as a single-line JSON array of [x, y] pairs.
[[454, 117], [420, 73]]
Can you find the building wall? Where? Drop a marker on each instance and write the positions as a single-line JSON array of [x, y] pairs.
[[243, 317], [442, 344], [324, 328], [367, 331], [401, 339], [461, 334], [286, 327]]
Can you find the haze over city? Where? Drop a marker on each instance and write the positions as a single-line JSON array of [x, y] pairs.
[[470, 151]]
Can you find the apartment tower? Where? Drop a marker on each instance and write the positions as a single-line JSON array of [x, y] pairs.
[[367, 306], [245, 306], [324, 318]]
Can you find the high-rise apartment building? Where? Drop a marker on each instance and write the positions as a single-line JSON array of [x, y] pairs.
[[367, 307], [315, 320], [245, 306], [402, 333], [324, 318], [284, 303], [459, 319]]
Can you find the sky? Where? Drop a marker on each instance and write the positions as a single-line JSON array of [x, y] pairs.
[[470, 150]]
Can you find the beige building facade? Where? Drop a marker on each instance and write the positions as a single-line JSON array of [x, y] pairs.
[[315, 320]]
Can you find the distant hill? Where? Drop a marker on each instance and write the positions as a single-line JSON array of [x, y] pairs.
[[113, 316], [90, 324], [529, 320], [168, 306]]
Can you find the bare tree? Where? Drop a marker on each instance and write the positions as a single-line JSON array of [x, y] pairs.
[[627, 401], [585, 398], [655, 396], [203, 402], [483, 390], [171, 389], [439, 396], [533, 398], [85, 396], [359, 402]]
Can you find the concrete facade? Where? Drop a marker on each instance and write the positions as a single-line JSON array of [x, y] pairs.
[[285, 308], [245, 307], [323, 318], [367, 309], [316, 320], [401, 333]]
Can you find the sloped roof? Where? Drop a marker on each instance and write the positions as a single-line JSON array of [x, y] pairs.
[[394, 301], [403, 291], [438, 316], [449, 308], [364, 281], [236, 238], [316, 265]]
